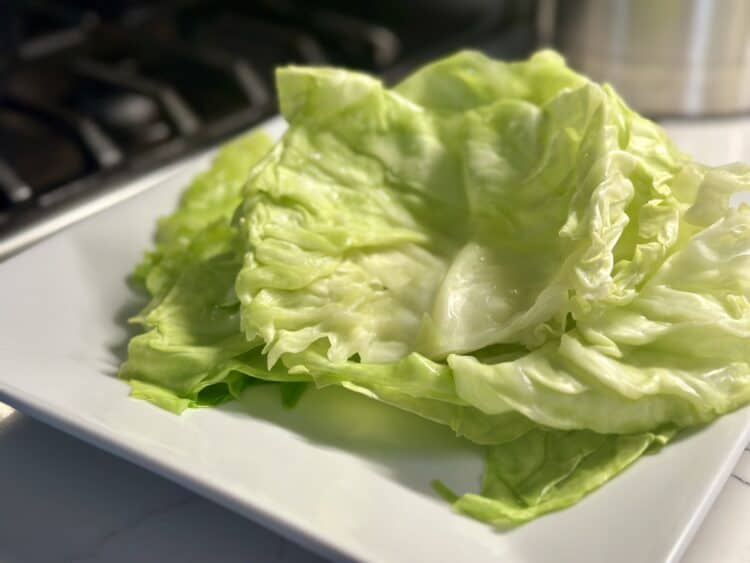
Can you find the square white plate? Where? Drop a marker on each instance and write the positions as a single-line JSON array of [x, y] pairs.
[[352, 483]]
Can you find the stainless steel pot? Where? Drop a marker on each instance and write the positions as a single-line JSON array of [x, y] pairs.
[[665, 57]]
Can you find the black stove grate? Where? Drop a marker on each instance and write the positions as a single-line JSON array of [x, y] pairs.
[[92, 93]]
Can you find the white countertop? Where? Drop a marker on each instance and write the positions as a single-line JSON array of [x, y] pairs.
[[65, 501]]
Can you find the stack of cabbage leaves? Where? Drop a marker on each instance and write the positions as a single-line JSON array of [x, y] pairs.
[[503, 248]]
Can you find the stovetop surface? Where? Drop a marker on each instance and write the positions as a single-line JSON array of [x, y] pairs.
[[94, 94]]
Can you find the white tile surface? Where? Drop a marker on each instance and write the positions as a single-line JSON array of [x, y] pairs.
[[723, 536]]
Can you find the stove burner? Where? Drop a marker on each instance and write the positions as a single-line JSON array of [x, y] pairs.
[[93, 93]]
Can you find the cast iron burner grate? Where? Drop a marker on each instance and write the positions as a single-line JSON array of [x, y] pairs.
[[93, 94]]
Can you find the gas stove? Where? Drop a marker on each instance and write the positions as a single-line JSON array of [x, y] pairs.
[[94, 96]]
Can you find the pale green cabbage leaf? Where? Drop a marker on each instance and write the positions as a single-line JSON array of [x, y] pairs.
[[503, 248]]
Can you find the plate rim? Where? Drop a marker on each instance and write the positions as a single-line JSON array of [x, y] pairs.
[[288, 528], [252, 510]]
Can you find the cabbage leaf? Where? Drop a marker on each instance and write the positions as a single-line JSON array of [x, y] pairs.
[[503, 248]]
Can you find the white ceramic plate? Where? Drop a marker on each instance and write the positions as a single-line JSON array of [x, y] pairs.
[[352, 484]]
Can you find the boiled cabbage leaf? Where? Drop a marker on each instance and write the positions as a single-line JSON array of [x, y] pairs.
[[503, 248]]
